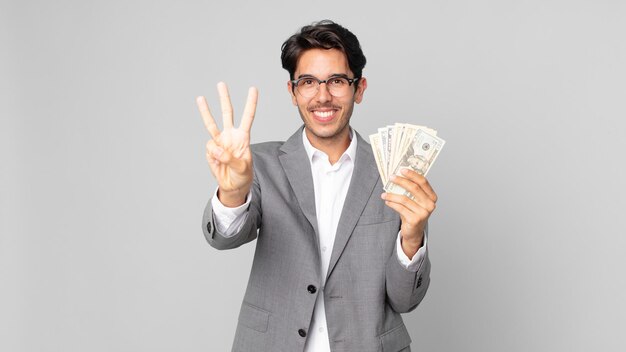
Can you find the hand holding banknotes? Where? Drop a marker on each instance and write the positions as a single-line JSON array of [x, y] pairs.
[[228, 152], [404, 154], [414, 212]]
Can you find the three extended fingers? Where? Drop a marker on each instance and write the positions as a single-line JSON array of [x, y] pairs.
[[227, 110]]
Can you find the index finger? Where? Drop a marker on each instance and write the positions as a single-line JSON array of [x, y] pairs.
[[249, 110], [207, 118]]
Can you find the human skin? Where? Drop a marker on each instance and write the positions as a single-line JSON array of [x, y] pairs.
[[325, 116]]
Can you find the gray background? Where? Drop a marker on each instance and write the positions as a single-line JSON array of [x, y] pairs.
[[103, 178]]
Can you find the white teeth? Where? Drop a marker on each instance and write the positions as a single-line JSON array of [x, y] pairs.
[[323, 114]]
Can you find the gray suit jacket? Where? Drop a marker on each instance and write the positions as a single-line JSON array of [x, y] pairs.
[[366, 285]]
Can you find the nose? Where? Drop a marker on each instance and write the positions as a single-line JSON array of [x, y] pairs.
[[323, 95]]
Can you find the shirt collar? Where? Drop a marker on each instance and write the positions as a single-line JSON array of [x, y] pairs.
[[314, 153]]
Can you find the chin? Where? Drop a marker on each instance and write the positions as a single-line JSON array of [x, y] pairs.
[[327, 131]]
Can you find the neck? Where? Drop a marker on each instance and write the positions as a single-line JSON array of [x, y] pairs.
[[334, 146]]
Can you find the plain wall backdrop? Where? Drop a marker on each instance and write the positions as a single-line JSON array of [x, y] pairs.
[[103, 178]]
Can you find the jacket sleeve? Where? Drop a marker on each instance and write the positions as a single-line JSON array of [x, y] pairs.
[[248, 231], [405, 288]]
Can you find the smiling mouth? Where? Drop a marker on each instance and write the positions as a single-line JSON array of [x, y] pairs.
[[324, 115]]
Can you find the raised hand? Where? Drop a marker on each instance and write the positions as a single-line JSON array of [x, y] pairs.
[[228, 152]]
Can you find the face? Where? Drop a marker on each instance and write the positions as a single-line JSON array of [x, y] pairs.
[[326, 117]]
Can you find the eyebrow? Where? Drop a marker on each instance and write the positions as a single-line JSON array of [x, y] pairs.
[[306, 75]]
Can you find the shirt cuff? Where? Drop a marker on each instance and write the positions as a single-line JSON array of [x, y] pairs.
[[228, 221], [415, 263]]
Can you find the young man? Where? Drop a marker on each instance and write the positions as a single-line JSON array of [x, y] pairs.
[[336, 261]]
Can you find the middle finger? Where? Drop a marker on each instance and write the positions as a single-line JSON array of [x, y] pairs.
[[227, 107]]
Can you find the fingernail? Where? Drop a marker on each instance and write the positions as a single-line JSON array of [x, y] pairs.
[[383, 196], [217, 152], [393, 177]]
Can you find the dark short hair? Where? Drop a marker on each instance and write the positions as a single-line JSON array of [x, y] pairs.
[[324, 34]]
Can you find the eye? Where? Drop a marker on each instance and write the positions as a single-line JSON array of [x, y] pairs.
[[338, 81], [307, 82]]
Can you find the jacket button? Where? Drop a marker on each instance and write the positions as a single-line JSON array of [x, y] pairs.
[[302, 333], [311, 289], [209, 227]]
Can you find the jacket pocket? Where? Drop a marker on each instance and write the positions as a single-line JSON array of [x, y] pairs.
[[254, 317], [395, 339]]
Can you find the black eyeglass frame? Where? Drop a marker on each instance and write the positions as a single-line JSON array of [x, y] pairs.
[[294, 82]]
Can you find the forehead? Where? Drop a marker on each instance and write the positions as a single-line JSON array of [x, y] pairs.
[[322, 63]]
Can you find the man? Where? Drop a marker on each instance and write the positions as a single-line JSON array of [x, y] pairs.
[[335, 261]]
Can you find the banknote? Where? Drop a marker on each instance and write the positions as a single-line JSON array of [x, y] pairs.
[[375, 141], [389, 148], [384, 141], [394, 147], [419, 155]]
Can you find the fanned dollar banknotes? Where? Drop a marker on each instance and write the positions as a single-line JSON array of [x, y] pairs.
[[401, 146]]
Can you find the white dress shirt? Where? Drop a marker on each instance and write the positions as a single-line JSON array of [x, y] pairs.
[[331, 183]]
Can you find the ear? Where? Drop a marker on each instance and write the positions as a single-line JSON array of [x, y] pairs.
[[360, 89], [293, 96]]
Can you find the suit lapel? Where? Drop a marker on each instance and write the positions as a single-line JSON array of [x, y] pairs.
[[295, 163], [364, 178]]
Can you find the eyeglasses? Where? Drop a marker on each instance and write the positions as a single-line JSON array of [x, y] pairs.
[[308, 86]]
